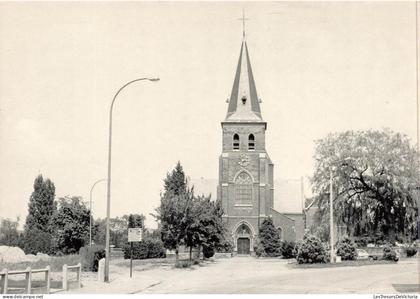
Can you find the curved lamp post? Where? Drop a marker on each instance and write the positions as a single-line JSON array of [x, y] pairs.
[[90, 207], [108, 197]]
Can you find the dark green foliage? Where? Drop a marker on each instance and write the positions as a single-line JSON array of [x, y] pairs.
[[375, 178], [90, 257], [185, 219], [38, 226], [269, 238], [389, 254], [347, 249], [71, 224], [225, 247], [9, 234], [41, 205], [310, 250], [207, 228], [411, 250], [259, 250], [174, 213], [135, 220], [146, 249], [37, 240], [208, 251], [288, 249], [176, 182]]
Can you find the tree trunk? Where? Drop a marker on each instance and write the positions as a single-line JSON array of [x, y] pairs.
[[176, 254], [190, 253]]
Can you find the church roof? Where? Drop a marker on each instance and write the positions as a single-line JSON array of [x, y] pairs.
[[244, 103]]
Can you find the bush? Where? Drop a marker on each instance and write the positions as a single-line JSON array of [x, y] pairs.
[[411, 250], [288, 249], [269, 238], [36, 240], [310, 250], [208, 251], [389, 254], [90, 257], [225, 247], [259, 250], [146, 249], [347, 249]]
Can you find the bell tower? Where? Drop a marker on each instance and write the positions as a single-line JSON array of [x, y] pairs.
[[245, 169]]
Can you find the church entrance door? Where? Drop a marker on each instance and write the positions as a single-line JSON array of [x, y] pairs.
[[243, 245]]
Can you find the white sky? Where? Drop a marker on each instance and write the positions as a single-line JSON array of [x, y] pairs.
[[318, 67]]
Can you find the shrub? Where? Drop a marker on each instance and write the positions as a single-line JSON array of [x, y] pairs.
[[225, 247], [347, 249], [145, 249], [259, 250], [310, 250], [36, 240], [90, 257], [389, 254], [288, 249], [269, 238], [411, 250], [208, 251]]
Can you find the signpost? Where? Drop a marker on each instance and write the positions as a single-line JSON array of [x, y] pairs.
[[134, 235]]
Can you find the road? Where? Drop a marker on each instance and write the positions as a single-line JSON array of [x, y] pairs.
[[249, 275]]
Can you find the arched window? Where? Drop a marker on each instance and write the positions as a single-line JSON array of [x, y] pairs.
[[243, 188], [251, 142], [235, 141]]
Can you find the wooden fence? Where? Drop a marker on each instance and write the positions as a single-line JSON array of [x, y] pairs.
[[4, 275], [28, 278], [66, 281]]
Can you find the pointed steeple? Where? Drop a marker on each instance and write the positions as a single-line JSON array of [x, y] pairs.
[[244, 103]]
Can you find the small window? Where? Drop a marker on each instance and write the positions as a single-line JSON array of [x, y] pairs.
[[251, 142], [243, 100], [235, 141]]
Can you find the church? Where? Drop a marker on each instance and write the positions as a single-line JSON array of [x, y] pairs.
[[246, 185]]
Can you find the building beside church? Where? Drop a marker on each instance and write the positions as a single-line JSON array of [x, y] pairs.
[[246, 184]]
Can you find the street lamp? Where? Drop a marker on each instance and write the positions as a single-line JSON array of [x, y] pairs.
[[342, 162], [108, 197], [90, 207]]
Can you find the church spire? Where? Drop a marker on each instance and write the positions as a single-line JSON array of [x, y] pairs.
[[244, 103]]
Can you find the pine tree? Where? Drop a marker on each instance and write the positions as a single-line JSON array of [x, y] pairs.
[[174, 213], [176, 182], [269, 238]]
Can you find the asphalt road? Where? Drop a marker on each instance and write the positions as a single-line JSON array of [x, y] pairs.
[[248, 275]]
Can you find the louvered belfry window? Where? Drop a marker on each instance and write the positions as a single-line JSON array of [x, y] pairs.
[[251, 142], [236, 142]]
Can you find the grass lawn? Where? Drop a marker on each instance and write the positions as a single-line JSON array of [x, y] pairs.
[[55, 262], [356, 263]]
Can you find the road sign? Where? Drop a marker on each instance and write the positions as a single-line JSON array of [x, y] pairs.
[[135, 234]]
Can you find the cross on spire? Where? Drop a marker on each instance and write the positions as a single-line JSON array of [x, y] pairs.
[[243, 19]]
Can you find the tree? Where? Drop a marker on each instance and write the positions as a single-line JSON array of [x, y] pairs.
[[174, 213], [71, 224], [135, 220], [40, 213], [269, 238], [375, 178], [207, 229], [9, 234]]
